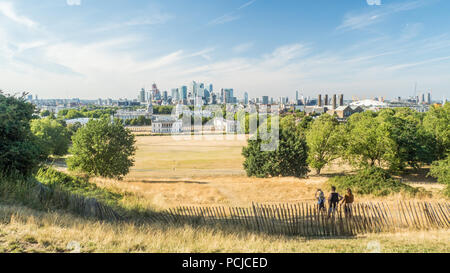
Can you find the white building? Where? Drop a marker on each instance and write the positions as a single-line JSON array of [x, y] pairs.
[[125, 114], [166, 125]]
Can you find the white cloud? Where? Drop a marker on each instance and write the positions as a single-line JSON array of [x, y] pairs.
[[354, 21], [230, 17], [249, 3], [374, 2], [8, 10], [73, 2]]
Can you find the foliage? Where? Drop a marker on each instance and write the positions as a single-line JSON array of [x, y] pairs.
[[139, 121], [323, 140], [372, 180], [73, 128], [20, 150], [441, 171], [86, 113], [367, 140], [103, 148], [53, 137], [289, 158], [437, 123], [392, 138], [163, 109], [45, 113], [75, 185], [413, 145]]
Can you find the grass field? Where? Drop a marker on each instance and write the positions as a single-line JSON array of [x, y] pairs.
[[170, 173], [26, 230]]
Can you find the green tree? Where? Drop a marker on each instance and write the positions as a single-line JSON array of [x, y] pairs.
[[367, 140], [45, 113], [289, 158], [53, 136], [414, 146], [103, 148], [437, 122], [441, 171], [19, 148], [73, 128], [323, 140]]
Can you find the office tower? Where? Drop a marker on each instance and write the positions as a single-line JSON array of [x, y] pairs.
[[296, 96], [319, 101], [228, 96], [245, 98], [265, 100], [341, 100], [211, 88], [334, 101], [175, 95], [429, 98], [325, 101], [194, 89], [165, 96], [183, 92], [142, 95]]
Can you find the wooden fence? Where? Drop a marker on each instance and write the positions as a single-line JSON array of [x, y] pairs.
[[305, 219]]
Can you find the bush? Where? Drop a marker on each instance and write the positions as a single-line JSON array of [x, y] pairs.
[[372, 180], [76, 185]]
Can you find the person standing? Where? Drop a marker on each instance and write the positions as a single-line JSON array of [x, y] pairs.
[[333, 200], [348, 200], [320, 196]]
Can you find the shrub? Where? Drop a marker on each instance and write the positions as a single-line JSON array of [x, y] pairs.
[[372, 180]]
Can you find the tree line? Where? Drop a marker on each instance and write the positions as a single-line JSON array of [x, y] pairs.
[[392, 139]]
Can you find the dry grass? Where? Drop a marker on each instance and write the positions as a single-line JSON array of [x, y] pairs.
[[25, 230], [170, 173]]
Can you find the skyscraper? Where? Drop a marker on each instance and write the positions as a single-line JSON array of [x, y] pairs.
[[265, 100], [245, 98], [142, 95]]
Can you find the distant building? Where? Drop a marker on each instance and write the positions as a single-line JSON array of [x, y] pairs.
[[142, 96], [125, 114], [342, 112], [166, 125]]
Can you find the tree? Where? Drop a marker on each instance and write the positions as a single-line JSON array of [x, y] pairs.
[[45, 113], [367, 140], [441, 171], [53, 136], [414, 146], [289, 158], [19, 148], [437, 122], [103, 148], [323, 140]]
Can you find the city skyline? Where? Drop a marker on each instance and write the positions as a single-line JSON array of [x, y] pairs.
[[100, 49]]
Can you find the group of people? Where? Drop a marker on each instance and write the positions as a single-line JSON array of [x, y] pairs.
[[333, 200]]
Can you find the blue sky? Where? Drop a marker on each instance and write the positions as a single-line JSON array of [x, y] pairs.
[[112, 48]]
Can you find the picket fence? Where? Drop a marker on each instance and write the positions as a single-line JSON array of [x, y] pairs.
[[305, 219]]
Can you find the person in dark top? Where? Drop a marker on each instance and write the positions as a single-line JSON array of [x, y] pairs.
[[333, 200]]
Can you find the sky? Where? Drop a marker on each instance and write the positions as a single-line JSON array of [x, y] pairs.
[[112, 48]]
